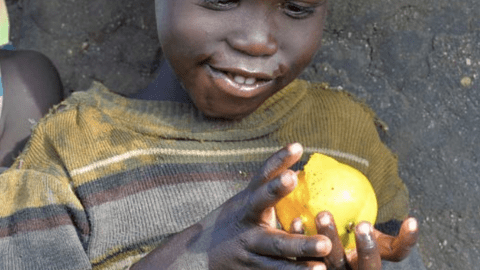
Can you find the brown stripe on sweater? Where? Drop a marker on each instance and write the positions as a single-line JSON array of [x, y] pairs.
[[123, 184], [20, 220], [161, 211], [134, 187], [41, 224]]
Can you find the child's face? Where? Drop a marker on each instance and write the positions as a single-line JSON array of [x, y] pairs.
[[231, 55]]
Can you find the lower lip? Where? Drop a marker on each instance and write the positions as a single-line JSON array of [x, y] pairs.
[[227, 85]]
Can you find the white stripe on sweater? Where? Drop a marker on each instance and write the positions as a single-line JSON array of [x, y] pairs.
[[209, 153]]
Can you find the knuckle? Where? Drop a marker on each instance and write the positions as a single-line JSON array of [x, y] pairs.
[[368, 248], [278, 245], [251, 210], [304, 249], [272, 189], [249, 240], [270, 166], [273, 163]]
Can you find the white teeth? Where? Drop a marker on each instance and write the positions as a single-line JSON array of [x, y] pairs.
[[242, 80], [239, 79], [250, 81]]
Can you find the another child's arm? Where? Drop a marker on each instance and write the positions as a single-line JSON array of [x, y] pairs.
[[32, 86]]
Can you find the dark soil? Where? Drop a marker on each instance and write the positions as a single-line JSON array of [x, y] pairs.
[[415, 62]]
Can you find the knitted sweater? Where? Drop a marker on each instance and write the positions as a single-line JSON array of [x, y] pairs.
[[104, 179]]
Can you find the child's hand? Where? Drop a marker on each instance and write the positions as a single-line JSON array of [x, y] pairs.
[[241, 234], [372, 245]]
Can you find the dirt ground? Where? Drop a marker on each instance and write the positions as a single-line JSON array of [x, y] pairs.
[[415, 62]]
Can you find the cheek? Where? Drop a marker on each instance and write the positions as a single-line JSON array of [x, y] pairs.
[[303, 46], [184, 33]]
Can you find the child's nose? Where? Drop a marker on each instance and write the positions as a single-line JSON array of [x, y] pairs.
[[254, 38]]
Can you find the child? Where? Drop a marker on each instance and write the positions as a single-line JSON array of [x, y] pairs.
[[182, 182], [29, 86]]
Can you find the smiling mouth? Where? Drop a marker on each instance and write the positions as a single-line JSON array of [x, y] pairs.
[[241, 78], [240, 83]]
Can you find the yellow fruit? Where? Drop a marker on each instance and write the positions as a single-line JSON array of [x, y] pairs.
[[326, 184]]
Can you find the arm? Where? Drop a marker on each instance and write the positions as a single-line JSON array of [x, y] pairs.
[[31, 86], [241, 233], [43, 224]]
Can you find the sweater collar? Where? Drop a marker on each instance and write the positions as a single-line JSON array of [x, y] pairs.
[[183, 121]]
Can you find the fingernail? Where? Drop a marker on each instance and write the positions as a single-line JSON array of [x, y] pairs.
[[288, 178], [296, 148], [325, 220], [298, 226], [364, 229], [365, 233], [320, 246], [319, 267], [412, 224]]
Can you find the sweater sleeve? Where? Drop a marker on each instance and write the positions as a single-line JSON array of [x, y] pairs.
[[42, 222], [392, 193]]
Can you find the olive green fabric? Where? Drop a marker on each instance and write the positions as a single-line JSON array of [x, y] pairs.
[[105, 179]]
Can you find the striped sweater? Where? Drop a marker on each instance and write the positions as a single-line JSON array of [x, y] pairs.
[[104, 179]]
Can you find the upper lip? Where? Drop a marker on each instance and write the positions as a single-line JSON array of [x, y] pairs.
[[246, 73]]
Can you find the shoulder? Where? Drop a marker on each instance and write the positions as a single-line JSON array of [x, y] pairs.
[[26, 59], [74, 115], [334, 121], [72, 128], [327, 102]]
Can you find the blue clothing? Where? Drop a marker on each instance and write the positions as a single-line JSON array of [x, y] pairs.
[[8, 47]]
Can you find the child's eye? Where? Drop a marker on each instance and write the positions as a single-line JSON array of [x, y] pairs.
[[220, 4], [298, 11]]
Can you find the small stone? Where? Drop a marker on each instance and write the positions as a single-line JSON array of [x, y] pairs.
[[466, 81], [85, 46]]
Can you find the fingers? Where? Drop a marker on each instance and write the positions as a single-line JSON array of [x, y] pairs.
[[267, 192], [268, 195], [326, 226], [368, 256], [397, 248], [278, 243], [277, 163], [264, 262], [297, 226]]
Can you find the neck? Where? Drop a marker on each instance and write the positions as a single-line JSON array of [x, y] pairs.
[[165, 87]]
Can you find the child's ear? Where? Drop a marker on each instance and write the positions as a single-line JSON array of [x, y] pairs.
[[4, 24]]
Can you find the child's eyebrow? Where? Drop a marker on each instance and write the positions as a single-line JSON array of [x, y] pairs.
[[308, 1], [315, 3]]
